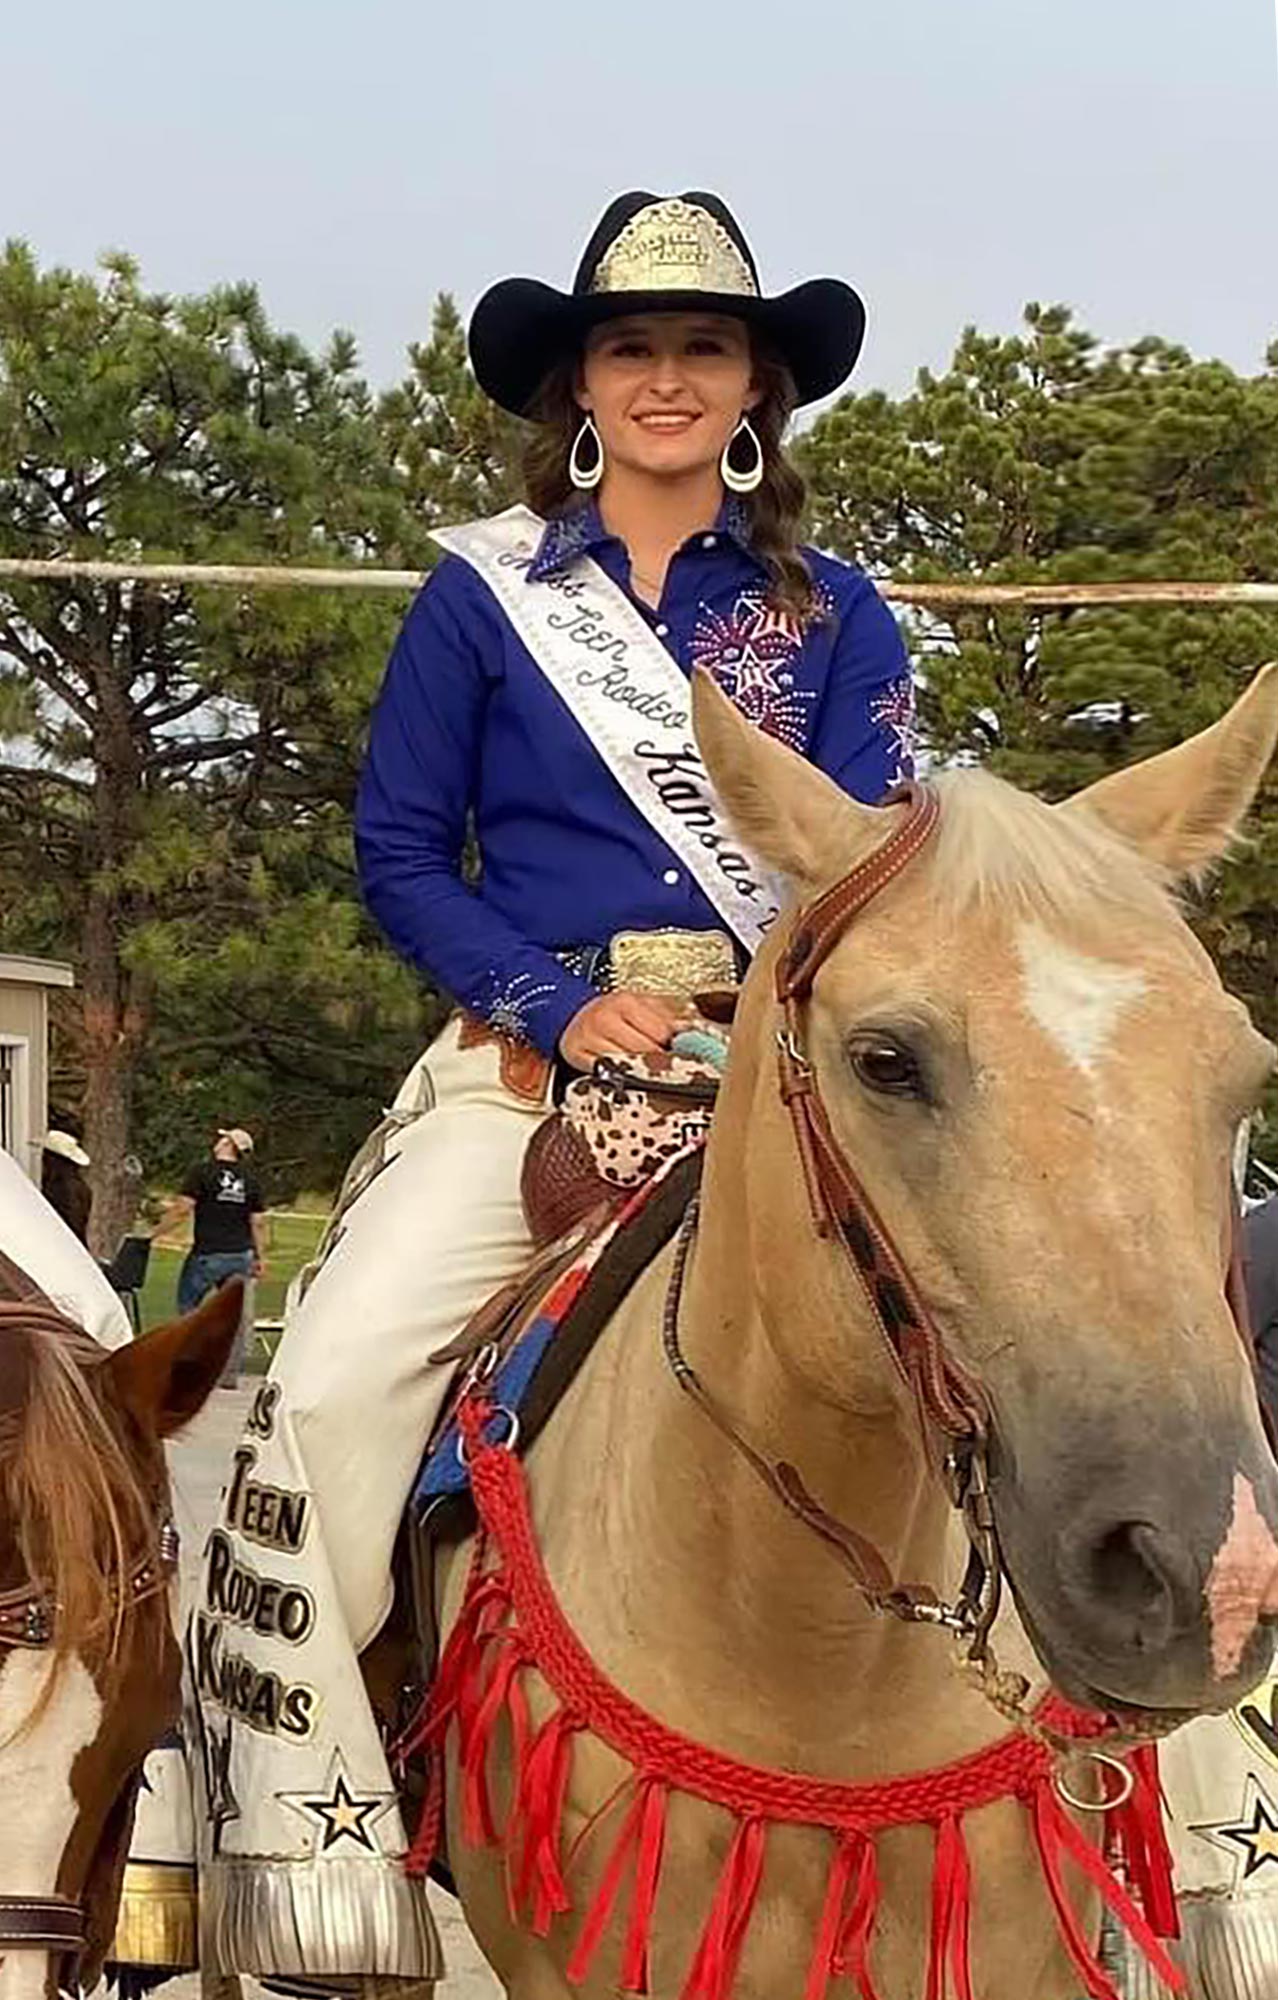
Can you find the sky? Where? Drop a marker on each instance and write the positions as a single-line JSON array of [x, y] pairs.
[[951, 158]]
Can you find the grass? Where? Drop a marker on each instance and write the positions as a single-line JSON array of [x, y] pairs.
[[291, 1241]]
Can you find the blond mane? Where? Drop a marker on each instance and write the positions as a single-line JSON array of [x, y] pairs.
[[998, 845]]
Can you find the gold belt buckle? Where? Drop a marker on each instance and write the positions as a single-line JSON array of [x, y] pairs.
[[675, 962]]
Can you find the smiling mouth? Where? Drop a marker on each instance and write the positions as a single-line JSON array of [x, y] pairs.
[[667, 423]]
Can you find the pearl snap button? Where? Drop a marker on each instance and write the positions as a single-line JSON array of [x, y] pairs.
[[670, 877], [708, 541], [663, 631]]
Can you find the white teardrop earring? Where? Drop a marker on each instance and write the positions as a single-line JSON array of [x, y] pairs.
[[586, 478], [749, 480]]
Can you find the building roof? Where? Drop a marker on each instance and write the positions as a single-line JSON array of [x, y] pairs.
[[18, 971]]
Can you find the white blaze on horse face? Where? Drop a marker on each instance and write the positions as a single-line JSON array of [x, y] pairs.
[[1077, 1001], [38, 1806]]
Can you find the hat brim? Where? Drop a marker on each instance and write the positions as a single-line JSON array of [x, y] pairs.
[[521, 328]]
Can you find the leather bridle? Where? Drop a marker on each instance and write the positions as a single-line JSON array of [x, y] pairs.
[[28, 1616], [950, 1404]]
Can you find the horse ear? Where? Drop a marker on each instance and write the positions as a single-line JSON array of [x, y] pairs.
[[1183, 807], [164, 1378], [788, 811]]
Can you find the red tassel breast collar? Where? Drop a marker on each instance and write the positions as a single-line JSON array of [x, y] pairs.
[[511, 1623]]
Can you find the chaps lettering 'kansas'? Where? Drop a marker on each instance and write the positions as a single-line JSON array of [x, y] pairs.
[[262, 1700]]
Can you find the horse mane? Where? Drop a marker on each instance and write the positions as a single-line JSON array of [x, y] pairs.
[[75, 1501], [998, 845]]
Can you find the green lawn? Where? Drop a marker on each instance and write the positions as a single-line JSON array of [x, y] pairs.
[[291, 1241]]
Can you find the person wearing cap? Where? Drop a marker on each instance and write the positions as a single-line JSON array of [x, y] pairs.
[[540, 690], [62, 1181], [224, 1198]]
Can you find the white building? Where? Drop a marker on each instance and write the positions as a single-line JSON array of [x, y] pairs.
[[24, 1054]]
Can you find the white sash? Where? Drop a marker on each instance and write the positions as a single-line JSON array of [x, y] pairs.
[[621, 687]]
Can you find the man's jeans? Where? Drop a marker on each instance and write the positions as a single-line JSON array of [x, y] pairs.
[[201, 1275]]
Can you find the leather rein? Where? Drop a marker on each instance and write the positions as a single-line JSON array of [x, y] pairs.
[[28, 1613], [949, 1402]]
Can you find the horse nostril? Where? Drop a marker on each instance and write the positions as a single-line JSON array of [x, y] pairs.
[[1134, 1583]]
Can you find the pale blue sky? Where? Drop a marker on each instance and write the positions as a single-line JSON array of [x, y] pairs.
[[951, 157]]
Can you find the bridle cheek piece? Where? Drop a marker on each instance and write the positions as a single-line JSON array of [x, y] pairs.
[[58, 1924], [950, 1404]]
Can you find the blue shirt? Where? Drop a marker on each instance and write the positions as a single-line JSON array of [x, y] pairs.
[[466, 723]]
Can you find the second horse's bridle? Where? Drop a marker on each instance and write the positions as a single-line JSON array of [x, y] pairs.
[[28, 1622]]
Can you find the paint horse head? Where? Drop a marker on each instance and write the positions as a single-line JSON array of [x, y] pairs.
[[89, 1667], [1034, 1067]]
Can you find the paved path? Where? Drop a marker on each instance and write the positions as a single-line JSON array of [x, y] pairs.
[[199, 1461]]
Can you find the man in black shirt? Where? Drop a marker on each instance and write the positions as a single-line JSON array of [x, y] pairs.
[[226, 1243]]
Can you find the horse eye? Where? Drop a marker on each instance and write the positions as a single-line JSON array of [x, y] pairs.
[[886, 1066]]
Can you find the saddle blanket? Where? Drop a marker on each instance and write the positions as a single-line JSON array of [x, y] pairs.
[[554, 1333]]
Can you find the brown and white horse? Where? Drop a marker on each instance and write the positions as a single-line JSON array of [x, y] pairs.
[[89, 1667], [1033, 1065]]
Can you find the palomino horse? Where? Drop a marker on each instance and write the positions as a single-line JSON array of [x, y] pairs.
[[1012, 1028], [89, 1667]]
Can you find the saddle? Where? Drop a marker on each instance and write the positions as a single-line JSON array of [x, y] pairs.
[[605, 1185]]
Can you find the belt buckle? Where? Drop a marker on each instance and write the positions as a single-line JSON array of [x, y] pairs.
[[673, 962]]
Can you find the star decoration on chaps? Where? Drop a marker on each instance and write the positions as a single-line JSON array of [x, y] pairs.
[[1252, 1838], [342, 1815]]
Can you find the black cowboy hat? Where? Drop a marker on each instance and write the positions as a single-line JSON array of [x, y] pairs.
[[652, 253]]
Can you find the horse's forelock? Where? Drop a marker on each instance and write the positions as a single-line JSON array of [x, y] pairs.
[[997, 845]]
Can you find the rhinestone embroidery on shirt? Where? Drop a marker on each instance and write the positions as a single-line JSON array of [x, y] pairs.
[[508, 1010], [751, 652], [893, 710]]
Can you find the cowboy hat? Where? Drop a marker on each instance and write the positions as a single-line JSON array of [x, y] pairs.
[[66, 1148], [653, 253]]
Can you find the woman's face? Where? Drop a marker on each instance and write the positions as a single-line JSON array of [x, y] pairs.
[[667, 390]]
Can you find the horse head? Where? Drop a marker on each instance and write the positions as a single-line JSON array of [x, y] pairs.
[[1033, 1066], [89, 1667]]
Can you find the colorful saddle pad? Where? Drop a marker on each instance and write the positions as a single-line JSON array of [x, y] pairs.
[[559, 1330]]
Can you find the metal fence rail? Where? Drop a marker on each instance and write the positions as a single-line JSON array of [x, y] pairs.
[[266, 576]]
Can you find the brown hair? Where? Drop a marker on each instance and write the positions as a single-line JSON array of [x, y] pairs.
[[775, 507]]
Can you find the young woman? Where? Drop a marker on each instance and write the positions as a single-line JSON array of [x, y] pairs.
[[539, 690]]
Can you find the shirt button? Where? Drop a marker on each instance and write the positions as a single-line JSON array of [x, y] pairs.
[[663, 631], [709, 541], [671, 878]]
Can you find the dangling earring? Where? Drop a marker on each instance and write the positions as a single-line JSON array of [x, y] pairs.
[[749, 480], [586, 478]]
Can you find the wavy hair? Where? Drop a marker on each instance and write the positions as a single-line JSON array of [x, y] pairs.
[[775, 508]]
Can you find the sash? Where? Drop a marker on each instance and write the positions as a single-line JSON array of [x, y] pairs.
[[620, 685]]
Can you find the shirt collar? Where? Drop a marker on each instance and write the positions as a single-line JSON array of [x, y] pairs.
[[581, 531]]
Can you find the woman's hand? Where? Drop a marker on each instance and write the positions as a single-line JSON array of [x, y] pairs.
[[632, 1024]]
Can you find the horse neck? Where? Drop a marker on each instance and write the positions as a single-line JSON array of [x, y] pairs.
[[722, 1604]]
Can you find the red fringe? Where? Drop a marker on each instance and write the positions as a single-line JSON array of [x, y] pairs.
[[478, 1826], [643, 1834], [539, 1811], [951, 1915], [714, 1968], [1057, 1834], [450, 1699], [480, 1679], [844, 1935], [1142, 1840]]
